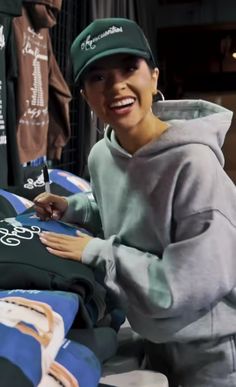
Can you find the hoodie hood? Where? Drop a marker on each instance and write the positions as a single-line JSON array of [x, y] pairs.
[[43, 13], [11, 7], [191, 121]]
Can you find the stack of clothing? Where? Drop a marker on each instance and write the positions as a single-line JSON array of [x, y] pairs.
[[34, 351], [29, 272]]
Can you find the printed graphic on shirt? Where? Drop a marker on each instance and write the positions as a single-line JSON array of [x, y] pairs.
[[35, 46], [22, 314], [59, 376], [38, 182], [3, 137], [34, 324], [13, 237]]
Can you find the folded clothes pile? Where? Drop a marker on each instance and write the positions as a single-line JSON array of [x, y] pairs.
[[34, 350]]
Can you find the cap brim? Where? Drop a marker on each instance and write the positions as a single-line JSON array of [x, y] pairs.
[[139, 53]]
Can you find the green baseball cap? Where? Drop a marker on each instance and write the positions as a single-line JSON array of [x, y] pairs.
[[104, 37]]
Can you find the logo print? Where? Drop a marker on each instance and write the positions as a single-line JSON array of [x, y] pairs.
[[89, 44]]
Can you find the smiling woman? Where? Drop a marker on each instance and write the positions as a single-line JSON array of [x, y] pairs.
[[119, 79], [155, 213], [120, 92]]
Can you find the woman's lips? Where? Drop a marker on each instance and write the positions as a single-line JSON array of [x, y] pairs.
[[122, 106]]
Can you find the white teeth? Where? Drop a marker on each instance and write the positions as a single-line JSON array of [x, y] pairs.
[[123, 102]]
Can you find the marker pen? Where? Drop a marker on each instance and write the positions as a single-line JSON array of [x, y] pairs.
[[46, 179]]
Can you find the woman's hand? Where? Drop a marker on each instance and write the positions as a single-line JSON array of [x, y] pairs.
[[65, 246], [49, 206]]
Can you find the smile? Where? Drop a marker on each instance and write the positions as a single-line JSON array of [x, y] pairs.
[[122, 103]]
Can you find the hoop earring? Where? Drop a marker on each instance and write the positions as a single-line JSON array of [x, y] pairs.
[[93, 119], [95, 123], [162, 97], [159, 96]]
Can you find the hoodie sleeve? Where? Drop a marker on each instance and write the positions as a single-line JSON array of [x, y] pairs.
[[82, 210], [197, 269]]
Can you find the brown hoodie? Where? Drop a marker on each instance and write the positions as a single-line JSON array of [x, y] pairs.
[[42, 94]]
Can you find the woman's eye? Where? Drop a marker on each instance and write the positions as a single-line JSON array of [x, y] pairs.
[[96, 77], [131, 68]]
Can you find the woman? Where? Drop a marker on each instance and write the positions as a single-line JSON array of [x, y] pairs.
[[164, 213]]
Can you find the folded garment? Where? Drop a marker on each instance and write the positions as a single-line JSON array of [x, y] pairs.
[[102, 341], [61, 182], [12, 205], [26, 264], [30, 219], [75, 366], [11, 372], [69, 181], [33, 325]]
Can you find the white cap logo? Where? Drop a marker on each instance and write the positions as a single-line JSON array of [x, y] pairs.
[[89, 44]]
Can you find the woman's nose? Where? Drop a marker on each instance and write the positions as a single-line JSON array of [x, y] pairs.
[[116, 80]]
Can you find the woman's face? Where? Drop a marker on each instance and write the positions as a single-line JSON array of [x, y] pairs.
[[119, 89]]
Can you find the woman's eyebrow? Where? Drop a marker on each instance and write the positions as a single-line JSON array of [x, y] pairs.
[[122, 61], [130, 58], [94, 68]]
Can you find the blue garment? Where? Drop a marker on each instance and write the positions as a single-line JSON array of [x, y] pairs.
[[20, 347]]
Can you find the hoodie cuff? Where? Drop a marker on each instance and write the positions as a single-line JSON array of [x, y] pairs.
[[76, 210], [92, 252]]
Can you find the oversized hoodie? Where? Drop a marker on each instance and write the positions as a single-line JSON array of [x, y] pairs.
[[43, 125], [168, 215]]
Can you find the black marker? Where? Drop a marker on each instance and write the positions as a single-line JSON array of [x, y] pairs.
[[46, 179]]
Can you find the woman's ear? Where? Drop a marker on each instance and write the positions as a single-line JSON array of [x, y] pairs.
[[84, 95], [155, 76], [82, 92]]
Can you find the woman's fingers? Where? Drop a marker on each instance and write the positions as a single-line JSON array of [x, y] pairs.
[[43, 213], [65, 246], [50, 206]]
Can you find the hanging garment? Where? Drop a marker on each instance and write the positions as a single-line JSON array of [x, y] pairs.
[[43, 96], [8, 74]]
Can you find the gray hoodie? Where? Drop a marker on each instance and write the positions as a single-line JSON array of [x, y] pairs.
[[168, 215]]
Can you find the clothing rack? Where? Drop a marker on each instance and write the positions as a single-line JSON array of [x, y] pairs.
[[62, 35]]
